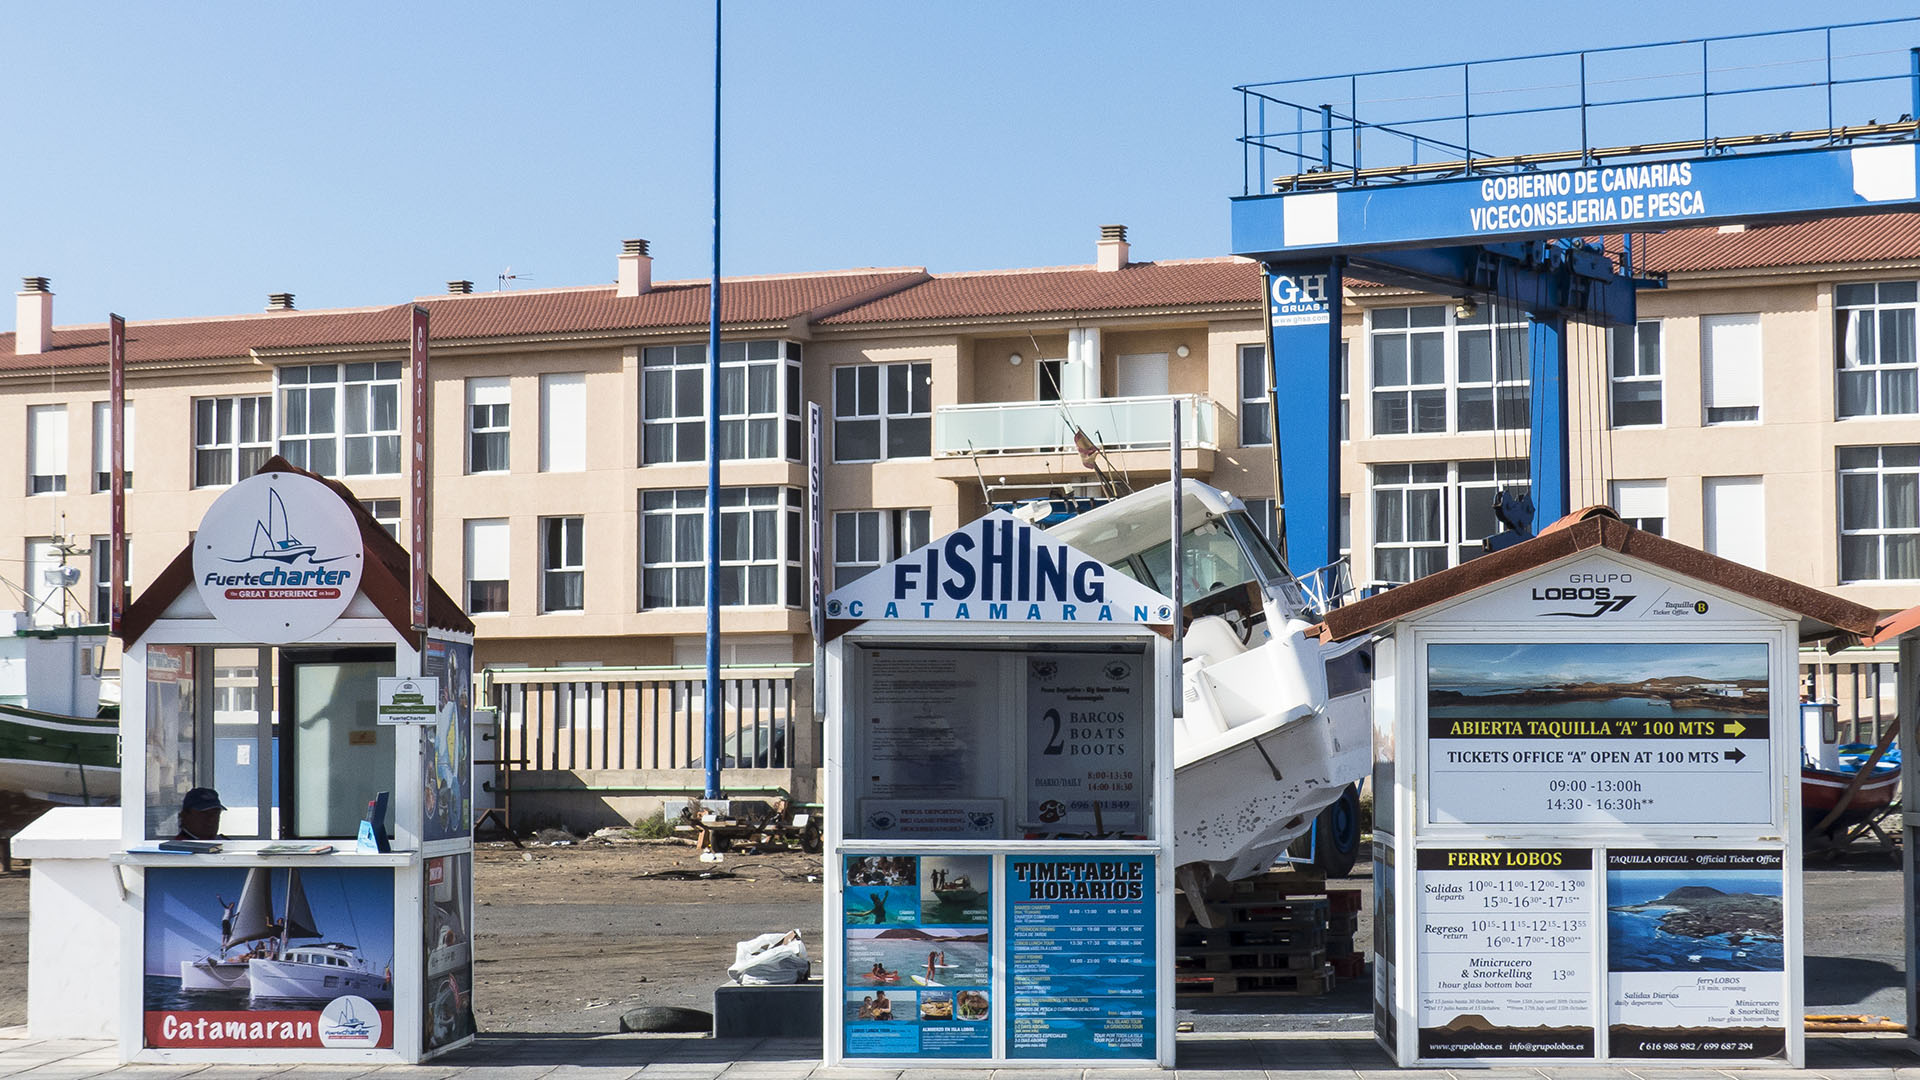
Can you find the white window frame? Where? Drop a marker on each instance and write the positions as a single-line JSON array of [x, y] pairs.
[[883, 414], [497, 567], [355, 392], [46, 449], [865, 540], [1878, 532], [385, 513], [1854, 319], [1509, 385], [563, 422], [1630, 346], [103, 447], [1256, 405], [100, 573], [679, 429], [236, 443], [1454, 482], [774, 542], [1636, 502], [1713, 387], [562, 560], [1710, 525], [489, 418], [684, 561]]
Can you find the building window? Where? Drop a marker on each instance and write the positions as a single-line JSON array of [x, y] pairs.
[[1735, 513], [103, 447], [1490, 391], [563, 423], [1642, 504], [1874, 349], [101, 572], [341, 419], [231, 438], [759, 402], [1409, 370], [864, 540], [487, 566], [385, 513], [760, 540], [1428, 516], [1637, 386], [1256, 411], [1046, 374], [46, 449], [1346, 527], [1879, 513], [882, 411], [43, 592], [563, 564], [1730, 368], [1346, 393], [1437, 370], [488, 405]]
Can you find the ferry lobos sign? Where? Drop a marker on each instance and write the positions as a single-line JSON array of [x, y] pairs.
[[278, 557], [998, 569]]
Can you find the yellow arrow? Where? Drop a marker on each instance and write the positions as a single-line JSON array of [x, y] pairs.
[[1736, 729]]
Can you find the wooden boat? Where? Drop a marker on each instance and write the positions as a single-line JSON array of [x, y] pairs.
[[1821, 790], [1829, 770], [57, 742]]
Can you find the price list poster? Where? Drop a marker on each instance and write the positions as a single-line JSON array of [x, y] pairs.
[[1696, 956], [1506, 940], [1081, 959]]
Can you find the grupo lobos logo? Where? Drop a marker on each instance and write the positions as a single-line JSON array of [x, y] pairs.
[[350, 1022], [277, 558]]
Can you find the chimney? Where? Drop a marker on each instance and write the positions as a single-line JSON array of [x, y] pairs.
[[33, 321], [460, 288], [636, 269], [1111, 251], [280, 301]]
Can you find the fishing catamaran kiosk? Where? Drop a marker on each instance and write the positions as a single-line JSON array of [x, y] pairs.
[[999, 833], [254, 666], [1599, 859]]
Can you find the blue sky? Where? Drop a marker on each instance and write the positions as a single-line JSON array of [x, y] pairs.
[[1473, 666], [169, 161]]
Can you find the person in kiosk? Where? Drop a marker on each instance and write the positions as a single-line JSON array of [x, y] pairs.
[[200, 815]]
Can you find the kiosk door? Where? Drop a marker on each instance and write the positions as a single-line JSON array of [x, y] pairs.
[[329, 711]]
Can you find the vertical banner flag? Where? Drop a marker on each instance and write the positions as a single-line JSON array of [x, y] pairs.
[[816, 564], [421, 571], [117, 484]]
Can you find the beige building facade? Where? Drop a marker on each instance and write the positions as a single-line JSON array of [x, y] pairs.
[[1765, 408]]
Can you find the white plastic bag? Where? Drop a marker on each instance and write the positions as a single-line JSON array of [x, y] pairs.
[[771, 960]]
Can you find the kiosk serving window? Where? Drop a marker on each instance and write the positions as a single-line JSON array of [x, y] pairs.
[[996, 742]]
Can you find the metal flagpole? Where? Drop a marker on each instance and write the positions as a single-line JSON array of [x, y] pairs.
[[712, 695]]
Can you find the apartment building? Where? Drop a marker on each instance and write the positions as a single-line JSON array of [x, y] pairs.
[[1765, 407]]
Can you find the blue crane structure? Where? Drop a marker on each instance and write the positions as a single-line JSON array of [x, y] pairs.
[[1505, 179]]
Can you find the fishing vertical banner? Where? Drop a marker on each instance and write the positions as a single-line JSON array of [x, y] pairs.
[[418, 468], [117, 485]]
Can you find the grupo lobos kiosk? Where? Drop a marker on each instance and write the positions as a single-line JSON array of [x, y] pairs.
[[264, 674], [999, 833], [1586, 819]]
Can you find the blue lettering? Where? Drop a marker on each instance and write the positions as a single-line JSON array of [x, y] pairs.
[[1089, 583], [996, 611], [926, 609], [962, 584], [893, 611], [1066, 612], [961, 612], [1025, 562], [996, 558], [1140, 613], [903, 583], [1033, 612], [1106, 612], [855, 608], [1052, 570]]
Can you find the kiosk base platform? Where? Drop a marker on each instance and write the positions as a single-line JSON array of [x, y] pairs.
[[767, 1012]]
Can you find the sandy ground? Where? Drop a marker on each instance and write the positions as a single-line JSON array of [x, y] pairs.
[[571, 937]]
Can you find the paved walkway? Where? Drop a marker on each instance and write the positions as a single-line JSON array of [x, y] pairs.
[[1281, 1056]]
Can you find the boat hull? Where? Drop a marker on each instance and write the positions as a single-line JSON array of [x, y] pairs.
[[281, 980], [1821, 791], [60, 759], [207, 975]]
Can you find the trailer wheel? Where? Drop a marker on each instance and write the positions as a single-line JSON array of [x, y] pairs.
[[810, 839], [1337, 831]]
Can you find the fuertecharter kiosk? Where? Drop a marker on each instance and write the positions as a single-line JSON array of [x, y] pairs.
[[999, 830]]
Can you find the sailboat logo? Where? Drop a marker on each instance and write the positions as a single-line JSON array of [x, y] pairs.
[[350, 1021], [273, 540]]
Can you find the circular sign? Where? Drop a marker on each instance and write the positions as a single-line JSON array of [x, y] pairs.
[[278, 557], [350, 1021]]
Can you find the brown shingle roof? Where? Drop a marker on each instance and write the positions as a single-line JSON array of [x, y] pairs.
[[1060, 290], [1819, 611], [668, 306]]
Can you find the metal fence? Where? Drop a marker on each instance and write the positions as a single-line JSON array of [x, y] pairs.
[[645, 718]]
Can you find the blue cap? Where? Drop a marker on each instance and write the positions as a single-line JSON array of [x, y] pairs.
[[201, 798]]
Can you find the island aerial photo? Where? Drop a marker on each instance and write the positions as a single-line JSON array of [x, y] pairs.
[[1674, 922], [1594, 680]]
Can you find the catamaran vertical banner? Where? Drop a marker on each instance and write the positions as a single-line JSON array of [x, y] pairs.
[[816, 566], [421, 571], [117, 485]]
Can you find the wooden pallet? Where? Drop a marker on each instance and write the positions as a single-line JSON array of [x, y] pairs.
[[1242, 961], [1289, 983]]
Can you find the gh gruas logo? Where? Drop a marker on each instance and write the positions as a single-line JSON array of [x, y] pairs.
[[1601, 597]]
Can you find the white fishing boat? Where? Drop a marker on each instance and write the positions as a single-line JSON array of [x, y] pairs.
[[246, 932], [1276, 724], [57, 743], [308, 973]]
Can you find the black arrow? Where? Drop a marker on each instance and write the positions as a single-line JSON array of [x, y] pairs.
[[1733, 755]]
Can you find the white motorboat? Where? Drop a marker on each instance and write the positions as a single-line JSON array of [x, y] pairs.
[[306, 973], [1276, 723]]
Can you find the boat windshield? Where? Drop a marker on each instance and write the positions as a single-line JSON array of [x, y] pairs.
[[1213, 557]]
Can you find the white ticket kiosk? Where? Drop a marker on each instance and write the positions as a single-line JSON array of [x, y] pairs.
[[1587, 821], [999, 833]]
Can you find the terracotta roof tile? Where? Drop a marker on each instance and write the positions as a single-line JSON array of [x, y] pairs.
[[1061, 290], [484, 315], [1867, 238]]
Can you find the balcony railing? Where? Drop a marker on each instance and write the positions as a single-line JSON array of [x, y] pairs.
[[1046, 427]]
